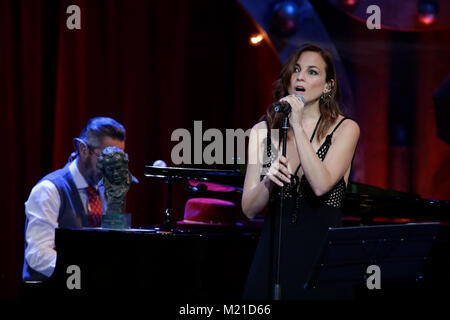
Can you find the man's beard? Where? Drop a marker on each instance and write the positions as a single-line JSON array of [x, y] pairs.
[[93, 175]]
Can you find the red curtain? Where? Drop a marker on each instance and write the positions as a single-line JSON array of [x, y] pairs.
[[393, 76], [420, 164], [156, 66], [431, 155]]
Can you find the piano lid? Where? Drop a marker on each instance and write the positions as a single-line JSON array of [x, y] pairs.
[[361, 199], [369, 201], [228, 177]]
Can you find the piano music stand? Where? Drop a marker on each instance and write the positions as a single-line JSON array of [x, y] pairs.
[[171, 174], [399, 250]]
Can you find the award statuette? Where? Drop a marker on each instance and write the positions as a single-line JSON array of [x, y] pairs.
[[113, 162]]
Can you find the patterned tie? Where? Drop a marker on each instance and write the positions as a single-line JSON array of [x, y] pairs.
[[94, 207]]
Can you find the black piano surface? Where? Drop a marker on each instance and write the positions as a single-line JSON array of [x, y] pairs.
[[196, 265], [178, 267]]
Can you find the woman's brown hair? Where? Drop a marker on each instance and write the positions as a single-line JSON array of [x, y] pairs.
[[328, 105]]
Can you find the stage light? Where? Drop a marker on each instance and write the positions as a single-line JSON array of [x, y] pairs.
[[350, 3], [285, 16], [256, 39], [426, 18], [346, 3], [427, 11]]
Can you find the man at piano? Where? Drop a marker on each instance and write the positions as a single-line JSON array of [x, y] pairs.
[[68, 197]]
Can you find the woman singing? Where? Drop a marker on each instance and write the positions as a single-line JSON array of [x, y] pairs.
[[321, 143]]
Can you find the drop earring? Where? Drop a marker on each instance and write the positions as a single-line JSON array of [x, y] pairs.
[[325, 96]]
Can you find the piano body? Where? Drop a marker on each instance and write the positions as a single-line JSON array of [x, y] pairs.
[[139, 262], [212, 263]]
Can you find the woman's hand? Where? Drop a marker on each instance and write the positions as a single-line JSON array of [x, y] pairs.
[[297, 106], [279, 171]]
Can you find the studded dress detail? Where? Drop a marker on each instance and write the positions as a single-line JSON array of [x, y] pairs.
[[306, 220]]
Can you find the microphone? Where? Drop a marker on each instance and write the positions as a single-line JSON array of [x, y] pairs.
[[159, 163], [285, 107], [302, 98], [282, 106]]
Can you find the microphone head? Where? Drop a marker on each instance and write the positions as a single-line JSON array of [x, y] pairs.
[[302, 98], [159, 163]]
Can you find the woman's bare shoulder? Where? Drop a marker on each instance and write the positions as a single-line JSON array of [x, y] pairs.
[[348, 126], [260, 125]]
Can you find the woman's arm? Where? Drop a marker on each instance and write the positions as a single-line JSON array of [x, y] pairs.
[[322, 176], [256, 192]]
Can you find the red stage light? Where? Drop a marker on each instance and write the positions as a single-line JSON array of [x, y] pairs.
[[427, 10], [427, 18], [350, 2]]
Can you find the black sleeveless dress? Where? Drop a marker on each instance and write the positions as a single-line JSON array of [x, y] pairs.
[[305, 223]]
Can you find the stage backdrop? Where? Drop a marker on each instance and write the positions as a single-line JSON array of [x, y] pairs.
[[156, 66]]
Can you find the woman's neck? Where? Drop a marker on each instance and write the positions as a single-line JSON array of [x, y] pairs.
[[311, 112]]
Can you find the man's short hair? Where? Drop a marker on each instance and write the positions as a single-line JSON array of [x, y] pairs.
[[99, 127]]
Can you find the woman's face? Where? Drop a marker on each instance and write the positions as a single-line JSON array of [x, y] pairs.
[[309, 76]]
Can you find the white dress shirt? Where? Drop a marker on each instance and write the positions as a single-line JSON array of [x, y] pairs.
[[42, 211]]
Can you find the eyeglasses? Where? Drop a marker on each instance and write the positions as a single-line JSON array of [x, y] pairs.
[[92, 150]]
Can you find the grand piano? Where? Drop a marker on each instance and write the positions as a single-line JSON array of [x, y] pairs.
[[211, 264]]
